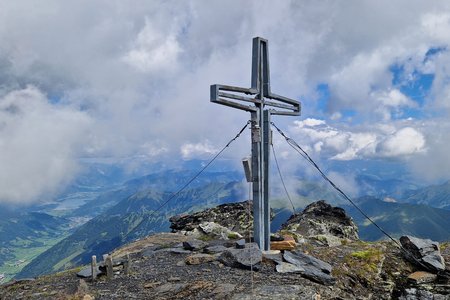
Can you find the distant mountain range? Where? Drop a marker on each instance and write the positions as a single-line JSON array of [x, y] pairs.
[[435, 196], [400, 219]]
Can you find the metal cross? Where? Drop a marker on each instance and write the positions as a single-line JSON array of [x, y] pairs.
[[257, 96]]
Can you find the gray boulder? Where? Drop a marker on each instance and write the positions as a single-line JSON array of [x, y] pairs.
[[314, 268], [423, 252], [247, 258], [194, 245]]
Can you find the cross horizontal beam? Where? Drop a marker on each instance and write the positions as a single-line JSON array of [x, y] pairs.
[[291, 107]]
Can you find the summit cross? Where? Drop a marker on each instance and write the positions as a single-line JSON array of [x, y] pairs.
[[263, 104]]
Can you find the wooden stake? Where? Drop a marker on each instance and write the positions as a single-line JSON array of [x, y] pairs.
[[109, 267], [127, 265], [94, 267]]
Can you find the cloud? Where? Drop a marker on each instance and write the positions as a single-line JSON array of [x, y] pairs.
[[153, 50], [38, 144], [189, 150], [341, 143], [138, 73], [405, 141]]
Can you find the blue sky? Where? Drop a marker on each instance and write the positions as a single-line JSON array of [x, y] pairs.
[[129, 81]]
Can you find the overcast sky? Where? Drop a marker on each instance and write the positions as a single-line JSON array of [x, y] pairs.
[[130, 79]]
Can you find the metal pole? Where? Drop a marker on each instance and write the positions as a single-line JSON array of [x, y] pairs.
[[258, 230], [266, 141]]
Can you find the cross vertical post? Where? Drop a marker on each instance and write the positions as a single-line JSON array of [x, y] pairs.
[[261, 135]]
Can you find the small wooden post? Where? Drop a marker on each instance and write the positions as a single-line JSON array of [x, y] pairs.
[[127, 265], [94, 267], [109, 267]]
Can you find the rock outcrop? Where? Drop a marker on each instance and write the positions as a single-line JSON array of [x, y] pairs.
[[221, 221], [324, 223]]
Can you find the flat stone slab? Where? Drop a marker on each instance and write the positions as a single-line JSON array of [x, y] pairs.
[[284, 267], [87, 273], [423, 252], [314, 268], [420, 277], [194, 245], [247, 258]]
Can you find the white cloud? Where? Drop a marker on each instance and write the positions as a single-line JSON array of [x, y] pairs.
[[361, 143], [405, 141], [153, 50], [393, 98], [192, 150], [38, 144]]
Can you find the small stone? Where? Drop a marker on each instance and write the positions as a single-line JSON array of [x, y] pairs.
[[287, 244], [223, 290], [194, 245], [240, 244], [276, 237], [88, 297], [422, 277], [215, 249], [197, 259], [82, 287], [170, 288], [181, 263], [174, 279], [152, 285]]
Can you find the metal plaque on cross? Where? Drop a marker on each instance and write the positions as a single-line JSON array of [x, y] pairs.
[[261, 103]]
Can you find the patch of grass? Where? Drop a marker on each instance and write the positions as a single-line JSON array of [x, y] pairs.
[[367, 254], [233, 236], [364, 264], [206, 238]]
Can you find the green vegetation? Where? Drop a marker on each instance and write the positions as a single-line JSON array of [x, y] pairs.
[[233, 236], [24, 255]]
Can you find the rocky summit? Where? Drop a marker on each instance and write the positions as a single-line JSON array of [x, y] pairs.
[[219, 264], [323, 223]]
